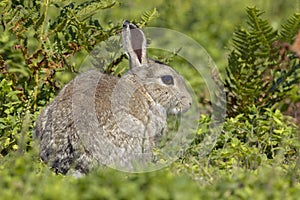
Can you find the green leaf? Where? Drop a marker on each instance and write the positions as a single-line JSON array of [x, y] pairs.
[[290, 28], [148, 16], [90, 8]]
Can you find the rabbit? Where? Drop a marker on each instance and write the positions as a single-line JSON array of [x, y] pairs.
[[103, 120]]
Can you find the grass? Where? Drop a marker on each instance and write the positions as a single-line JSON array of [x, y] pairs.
[[24, 177]]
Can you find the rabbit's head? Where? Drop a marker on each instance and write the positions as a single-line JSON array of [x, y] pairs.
[[166, 87]]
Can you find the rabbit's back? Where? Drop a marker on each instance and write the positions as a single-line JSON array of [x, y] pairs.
[[96, 120]]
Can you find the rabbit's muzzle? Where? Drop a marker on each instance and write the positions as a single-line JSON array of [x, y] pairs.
[[183, 105]]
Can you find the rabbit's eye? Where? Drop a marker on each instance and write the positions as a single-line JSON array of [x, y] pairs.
[[167, 79]]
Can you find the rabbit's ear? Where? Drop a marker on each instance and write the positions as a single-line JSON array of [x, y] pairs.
[[134, 44]]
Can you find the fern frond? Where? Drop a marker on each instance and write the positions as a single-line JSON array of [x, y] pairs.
[[148, 16], [90, 8], [257, 73], [290, 28], [258, 38]]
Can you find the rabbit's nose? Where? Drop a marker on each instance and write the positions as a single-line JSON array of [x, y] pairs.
[[186, 103], [189, 105], [188, 100]]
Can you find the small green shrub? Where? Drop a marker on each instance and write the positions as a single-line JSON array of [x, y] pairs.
[[250, 141], [261, 75]]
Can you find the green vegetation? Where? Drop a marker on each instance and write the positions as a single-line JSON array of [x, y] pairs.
[[43, 43]]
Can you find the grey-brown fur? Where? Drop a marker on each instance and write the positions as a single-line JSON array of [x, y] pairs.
[[103, 120]]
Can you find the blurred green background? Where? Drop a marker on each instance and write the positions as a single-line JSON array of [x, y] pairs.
[[209, 22]]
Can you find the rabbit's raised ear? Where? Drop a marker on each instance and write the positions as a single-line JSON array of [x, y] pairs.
[[134, 44]]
